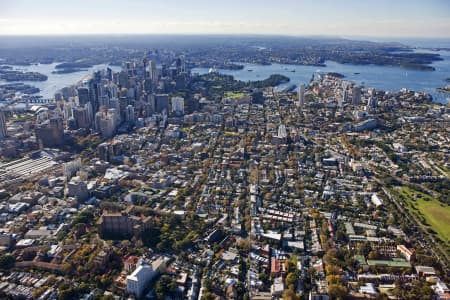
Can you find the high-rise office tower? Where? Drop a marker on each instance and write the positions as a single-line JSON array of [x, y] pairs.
[[129, 114], [51, 132], [67, 110], [343, 99], [107, 121], [153, 71], [130, 68], [111, 90], [95, 90], [282, 132], [116, 116], [107, 126], [81, 116], [114, 103], [180, 65], [83, 96], [109, 74], [104, 101], [3, 132], [149, 105], [301, 95], [161, 103], [356, 95], [177, 105], [145, 63], [372, 103], [123, 79]]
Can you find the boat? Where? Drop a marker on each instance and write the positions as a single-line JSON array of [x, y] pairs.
[[293, 71], [250, 70], [356, 73]]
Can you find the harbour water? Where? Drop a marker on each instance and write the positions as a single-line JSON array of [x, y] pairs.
[[56, 82], [385, 78], [379, 77]]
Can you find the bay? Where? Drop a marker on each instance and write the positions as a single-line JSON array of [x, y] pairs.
[[56, 82], [387, 78]]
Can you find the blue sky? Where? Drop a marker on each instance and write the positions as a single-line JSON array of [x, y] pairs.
[[376, 18]]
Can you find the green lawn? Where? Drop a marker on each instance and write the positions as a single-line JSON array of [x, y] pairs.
[[230, 133], [233, 95], [436, 214]]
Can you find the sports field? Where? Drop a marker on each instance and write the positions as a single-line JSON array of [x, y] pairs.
[[436, 214]]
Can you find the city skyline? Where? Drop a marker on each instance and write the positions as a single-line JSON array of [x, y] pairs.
[[330, 18], [204, 150]]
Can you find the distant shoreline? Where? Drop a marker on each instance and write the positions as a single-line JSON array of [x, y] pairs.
[[69, 70]]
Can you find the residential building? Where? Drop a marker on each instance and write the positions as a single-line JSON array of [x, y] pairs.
[[139, 279], [50, 133], [177, 105]]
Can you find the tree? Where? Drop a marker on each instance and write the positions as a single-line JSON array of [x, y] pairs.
[[264, 277], [334, 279], [39, 291], [208, 296], [165, 286], [373, 255], [244, 245], [7, 261], [83, 288], [83, 217], [67, 294], [289, 295], [291, 278], [337, 291]]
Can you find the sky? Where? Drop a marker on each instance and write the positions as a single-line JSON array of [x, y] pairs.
[[369, 18]]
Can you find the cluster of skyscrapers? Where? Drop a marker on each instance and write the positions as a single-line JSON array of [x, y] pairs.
[[111, 102], [355, 97]]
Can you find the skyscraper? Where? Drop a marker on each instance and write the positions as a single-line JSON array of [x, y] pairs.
[[109, 74], [51, 132], [3, 132], [81, 115], [153, 71], [104, 101], [83, 96], [94, 90], [282, 133], [145, 62], [123, 79], [177, 105], [356, 95], [161, 103], [129, 114], [343, 99], [372, 103], [107, 121], [301, 95], [180, 64]]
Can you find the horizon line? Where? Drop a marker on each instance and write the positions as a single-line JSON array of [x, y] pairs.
[[344, 36]]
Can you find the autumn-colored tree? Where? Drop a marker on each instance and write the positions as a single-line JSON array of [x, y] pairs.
[[289, 294], [334, 279], [291, 279], [337, 291]]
